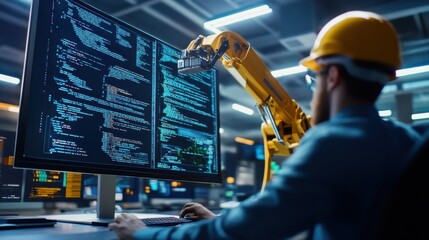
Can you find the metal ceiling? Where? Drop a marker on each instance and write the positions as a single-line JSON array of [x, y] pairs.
[[280, 38]]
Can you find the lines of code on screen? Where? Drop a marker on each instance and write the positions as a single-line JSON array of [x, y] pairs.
[[111, 95], [185, 126], [51, 185]]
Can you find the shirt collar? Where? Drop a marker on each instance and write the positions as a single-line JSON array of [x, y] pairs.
[[367, 111]]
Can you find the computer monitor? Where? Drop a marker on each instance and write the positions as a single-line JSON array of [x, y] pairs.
[[37, 186], [53, 186], [79, 189], [10, 178], [100, 96], [165, 194], [127, 189]]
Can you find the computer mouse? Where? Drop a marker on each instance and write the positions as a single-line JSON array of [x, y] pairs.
[[191, 216]]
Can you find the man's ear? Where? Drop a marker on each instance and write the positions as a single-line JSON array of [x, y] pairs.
[[334, 78]]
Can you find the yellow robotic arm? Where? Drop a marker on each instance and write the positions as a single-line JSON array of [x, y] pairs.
[[284, 123]]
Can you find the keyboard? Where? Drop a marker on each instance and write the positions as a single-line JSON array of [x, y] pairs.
[[149, 221], [165, 221]]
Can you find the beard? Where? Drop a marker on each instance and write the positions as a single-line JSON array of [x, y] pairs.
[[320, 107]]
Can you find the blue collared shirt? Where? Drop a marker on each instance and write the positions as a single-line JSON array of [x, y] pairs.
[[335, 183]]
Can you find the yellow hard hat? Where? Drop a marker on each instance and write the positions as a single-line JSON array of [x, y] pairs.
[[358, 35]]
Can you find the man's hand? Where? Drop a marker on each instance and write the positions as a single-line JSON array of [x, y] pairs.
[[196, 211], [126, 225]]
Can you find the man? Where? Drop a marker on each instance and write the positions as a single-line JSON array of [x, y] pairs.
[[345, 167]]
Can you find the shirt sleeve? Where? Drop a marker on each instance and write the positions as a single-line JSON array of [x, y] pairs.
[[301, 195]]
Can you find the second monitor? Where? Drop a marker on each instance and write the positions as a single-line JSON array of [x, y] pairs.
[[55, 186]]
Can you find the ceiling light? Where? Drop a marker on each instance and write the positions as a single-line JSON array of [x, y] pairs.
[[242, 109], [418, 116], [244, 141], [385, 113], [214, 24], [213, 29], [410, 71], [221, 130], [13, 109], [302, 69], [289, 71], [9, 79]]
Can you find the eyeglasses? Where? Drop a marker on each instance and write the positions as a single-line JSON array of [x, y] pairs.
[[310, 79]]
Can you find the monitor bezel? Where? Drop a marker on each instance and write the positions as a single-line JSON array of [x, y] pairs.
[[21, 161]]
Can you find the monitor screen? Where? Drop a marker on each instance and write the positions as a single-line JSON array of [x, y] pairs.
[[10, 178], [43, 186], [161, 193], [100, 96], [127, 189], [168, 189], [46, 186]]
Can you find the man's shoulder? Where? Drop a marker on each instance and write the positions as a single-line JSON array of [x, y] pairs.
[[324, 136], [334, 132], [403, 128], [329, 130]]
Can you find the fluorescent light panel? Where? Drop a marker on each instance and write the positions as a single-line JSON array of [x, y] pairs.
[[301, 69], [418, 116], [385, 113], [289, 71], [213, 29], [242, 109], [9, 79], [214, 24], [411, 71], [13, 109]]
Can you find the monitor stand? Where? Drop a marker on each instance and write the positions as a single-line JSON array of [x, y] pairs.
[[105, 205], [106, 198]]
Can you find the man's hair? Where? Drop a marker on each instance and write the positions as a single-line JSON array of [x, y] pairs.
[[360, 88]]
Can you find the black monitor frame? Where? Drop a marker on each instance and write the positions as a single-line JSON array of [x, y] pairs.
[[35, 42]]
